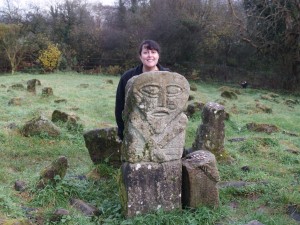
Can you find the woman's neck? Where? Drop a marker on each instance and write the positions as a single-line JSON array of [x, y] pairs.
[[147, 69]]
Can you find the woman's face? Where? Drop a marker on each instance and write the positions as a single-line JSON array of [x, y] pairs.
[[149, 58]]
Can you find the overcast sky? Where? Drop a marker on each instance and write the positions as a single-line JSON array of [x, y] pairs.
[[44, 3]]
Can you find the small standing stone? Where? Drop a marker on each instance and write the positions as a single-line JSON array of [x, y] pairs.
[[47, 91], [200, 177], [211, 133], [31, 85], [56, 168]]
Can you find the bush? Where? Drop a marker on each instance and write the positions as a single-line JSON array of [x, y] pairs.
[[114, 70], [50, 57]]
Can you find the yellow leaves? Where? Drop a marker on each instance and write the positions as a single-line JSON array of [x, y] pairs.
[[50, 57]]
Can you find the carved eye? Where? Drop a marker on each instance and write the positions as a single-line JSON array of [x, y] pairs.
[[173, 90], [151, 91]]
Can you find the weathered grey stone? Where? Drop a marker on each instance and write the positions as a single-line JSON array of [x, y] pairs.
[[11, 126], [211, 133], [60, 100], [40, 125], [237, 139], [84, 85], [31, 85], [193, 87], [293, 151], [20, 185], [291, 102], [109, 81], [294, 213], [193, 108], [290, 133], [154, 119], [266, 128], [229, 89], [103, 144], [64, 117], [58, 215], [229, 95], [200, 177], [270, 97], [15, 101], [86, 208], [239, 184], [263, 108], [47, 91], [147, 186], [57, 168], [17, 87]]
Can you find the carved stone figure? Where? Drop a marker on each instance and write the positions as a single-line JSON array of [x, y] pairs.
[[154, 119]]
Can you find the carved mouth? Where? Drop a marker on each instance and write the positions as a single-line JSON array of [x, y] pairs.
[[160, 113]]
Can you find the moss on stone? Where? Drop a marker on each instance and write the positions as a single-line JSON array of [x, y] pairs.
[[122, 192]]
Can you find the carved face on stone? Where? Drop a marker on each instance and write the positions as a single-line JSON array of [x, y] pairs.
[[160, 97]]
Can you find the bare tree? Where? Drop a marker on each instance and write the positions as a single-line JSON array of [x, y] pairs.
[[13, 43], [9, 13], [273, 28]]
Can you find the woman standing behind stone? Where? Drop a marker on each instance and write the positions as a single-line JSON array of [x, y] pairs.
[[149, 52]]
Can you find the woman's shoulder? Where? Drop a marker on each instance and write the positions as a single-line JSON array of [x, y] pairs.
[[130, 73], [162, 68]]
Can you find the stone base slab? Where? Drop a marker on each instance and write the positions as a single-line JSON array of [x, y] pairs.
[[147, 186]]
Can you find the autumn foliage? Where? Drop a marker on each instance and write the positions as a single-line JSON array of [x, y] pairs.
[[50, 58]]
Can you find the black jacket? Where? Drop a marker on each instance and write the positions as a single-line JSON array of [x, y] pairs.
[[120, 95]]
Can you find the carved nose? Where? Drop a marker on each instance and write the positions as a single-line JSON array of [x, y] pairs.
[[162, 100]]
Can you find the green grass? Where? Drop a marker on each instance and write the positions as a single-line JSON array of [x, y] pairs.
[[275, 172]]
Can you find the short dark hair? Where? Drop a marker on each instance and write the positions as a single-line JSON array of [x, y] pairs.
[[150, 45]]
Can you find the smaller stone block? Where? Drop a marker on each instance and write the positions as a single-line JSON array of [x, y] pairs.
[[103, 144], [211, 133], [200, 177], [147, 186]]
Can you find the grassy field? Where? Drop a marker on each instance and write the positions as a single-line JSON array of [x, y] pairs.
[[272, 159]]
